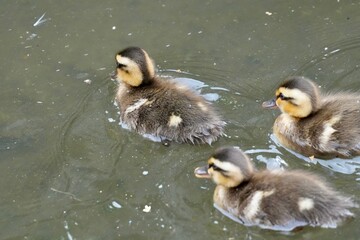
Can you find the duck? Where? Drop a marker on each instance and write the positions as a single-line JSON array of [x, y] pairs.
[[315, 124], [282, 200], [161, 107]]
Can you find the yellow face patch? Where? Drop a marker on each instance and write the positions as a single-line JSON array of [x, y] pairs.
[[296, 103], [130, 72], [229, 175]]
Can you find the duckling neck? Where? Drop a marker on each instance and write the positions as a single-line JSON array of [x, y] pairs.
[[227, 197], [147, 81]]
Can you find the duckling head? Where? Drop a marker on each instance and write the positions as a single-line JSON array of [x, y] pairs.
[[297, 96], [228, 167], [134, 66]]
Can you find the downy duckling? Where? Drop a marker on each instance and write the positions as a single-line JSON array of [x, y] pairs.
[[314, 124], [162, 108], [278, 200]]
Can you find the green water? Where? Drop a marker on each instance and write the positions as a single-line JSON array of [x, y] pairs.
[[68, 171]]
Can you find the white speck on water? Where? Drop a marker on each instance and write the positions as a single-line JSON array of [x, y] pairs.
[[58, 70], [31, 37], [268, 13], [106, 112], [160, 186], [167, 45], [111, 120], [129, 34], [115, 204], [216, 222], [39, 102], [325, 48], [189, 34], [87, 81], [147, 209], [114, 27], [66, 226], [200, 32], [145, 173]]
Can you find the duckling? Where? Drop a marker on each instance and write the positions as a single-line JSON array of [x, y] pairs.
[[315, 124], [278, 200], [159, 107]]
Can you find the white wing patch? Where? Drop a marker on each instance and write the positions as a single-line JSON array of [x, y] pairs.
[[174, 120], [136, 105], [328, 130], [202, 106], [253, 207], [305, 204]]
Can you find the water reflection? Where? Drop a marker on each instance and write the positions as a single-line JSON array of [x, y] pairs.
[[345, 166]]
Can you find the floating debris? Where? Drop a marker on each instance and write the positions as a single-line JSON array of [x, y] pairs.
[[66, 193], [111, 120], [31, 36], [40, 20], [115, 204], [87, 81], [147, 209]]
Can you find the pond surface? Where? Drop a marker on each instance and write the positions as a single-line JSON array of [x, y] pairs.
[[69, 171]]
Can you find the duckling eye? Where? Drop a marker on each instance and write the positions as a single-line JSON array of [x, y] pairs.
[[216, 168], [282, 97], [120, 65]]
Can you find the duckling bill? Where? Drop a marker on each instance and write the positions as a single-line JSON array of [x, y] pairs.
[[159, 107], [316, 124], [278, 200]]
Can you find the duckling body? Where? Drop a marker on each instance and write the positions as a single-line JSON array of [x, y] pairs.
[[281, 200], [314, 124], [163, 108]]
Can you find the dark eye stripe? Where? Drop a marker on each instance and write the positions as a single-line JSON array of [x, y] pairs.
[[216, 168], [120, 65], [282, 97]]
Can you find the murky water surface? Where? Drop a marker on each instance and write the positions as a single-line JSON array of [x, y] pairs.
[[69, 171]]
